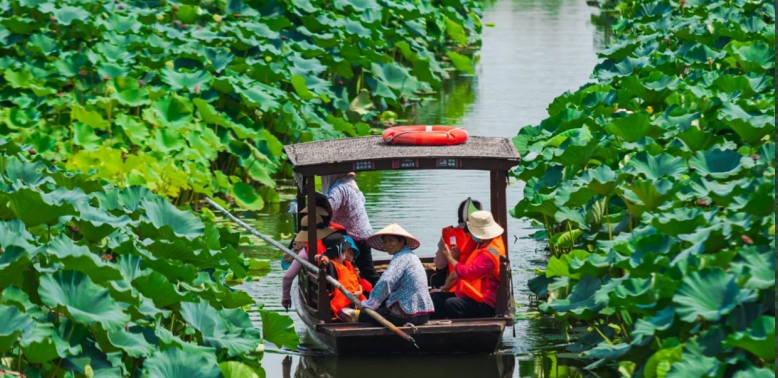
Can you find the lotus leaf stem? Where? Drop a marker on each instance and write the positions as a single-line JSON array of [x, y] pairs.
[[596, 328], [70, 334]]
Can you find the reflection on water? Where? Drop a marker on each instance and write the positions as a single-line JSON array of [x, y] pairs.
[[537, 50]]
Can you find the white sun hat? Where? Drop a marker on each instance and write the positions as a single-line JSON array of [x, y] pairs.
[[482, 225], [375, 241]]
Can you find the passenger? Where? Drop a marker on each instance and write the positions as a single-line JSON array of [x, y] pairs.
[[348, 209], [340, 268], [444, 278], [479, 275], [322, 232], [400, 295], [352, 252]]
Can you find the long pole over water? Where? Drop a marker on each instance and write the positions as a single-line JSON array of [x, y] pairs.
[[315, 270]]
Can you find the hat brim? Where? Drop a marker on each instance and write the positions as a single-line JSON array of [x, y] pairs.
[[321, 233], [320, 211], [375, 241], [488, 232]]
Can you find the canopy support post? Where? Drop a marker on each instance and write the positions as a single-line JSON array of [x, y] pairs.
[[310, 187], [498, 184]]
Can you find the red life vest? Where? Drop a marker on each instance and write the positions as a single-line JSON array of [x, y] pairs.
[[463, 240], [350, 280], [472, 288]]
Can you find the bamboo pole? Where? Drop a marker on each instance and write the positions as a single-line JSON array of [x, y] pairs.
[[315, 270]]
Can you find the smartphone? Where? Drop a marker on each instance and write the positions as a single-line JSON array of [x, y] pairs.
[[452, 241]]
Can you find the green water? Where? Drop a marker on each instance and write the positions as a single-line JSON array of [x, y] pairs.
[[536, 51]]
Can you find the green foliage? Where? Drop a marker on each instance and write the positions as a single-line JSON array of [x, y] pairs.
[[199, 98], [118, 281], [656, 186]]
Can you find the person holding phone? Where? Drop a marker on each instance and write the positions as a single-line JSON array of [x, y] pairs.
[[456, 239]]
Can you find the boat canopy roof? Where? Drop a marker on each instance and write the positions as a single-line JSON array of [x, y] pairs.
[[372, 153]]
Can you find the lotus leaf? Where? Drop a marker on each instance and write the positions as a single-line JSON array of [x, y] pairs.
[[278, 329], [461, 62], [709, 294], [657, 167], [77, 257], [161, 213], [85, 301], [12, 324], [134, 344], [662, 321], [234, 369], [561, 266], [757, 339], [630, 128], [581, 301], [216, 331], [177, 363], [698, 367]]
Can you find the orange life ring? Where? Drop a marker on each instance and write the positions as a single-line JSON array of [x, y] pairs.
[[425, 135]]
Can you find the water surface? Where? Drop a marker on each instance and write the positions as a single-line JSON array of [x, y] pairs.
[[536, 51]]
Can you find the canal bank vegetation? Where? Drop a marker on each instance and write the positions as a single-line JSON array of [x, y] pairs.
[[100, 281], [655, 186], [193, 98], [118, 116]]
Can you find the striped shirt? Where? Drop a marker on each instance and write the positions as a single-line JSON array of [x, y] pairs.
[[348, 209], [404, 282]]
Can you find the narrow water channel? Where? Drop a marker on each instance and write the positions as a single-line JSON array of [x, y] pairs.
[[537, 50]]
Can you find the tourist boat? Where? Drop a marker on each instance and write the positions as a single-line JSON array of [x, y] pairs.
[[478, 335]]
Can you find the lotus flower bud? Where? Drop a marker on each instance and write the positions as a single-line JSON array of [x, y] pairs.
[[746, 239], [106, 78], [650, 110], [160, 17], [141, 82], [88, 372], [175, 8], [197, 88], [82, 72]]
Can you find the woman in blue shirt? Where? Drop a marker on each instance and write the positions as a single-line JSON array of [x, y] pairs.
[[401, 294]]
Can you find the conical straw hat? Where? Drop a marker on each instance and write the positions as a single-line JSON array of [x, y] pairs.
[[321, 230], [482, 225], [375, 241]]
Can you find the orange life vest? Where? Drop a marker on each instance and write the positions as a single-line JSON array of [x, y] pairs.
[[320, 248], [464, 242], [350, 280], [472, 287]]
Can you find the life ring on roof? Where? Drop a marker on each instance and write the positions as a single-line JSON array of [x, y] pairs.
[[425, 135]]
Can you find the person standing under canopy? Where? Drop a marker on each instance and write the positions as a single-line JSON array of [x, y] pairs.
[[401, 295], [348, 210], [479, 275]]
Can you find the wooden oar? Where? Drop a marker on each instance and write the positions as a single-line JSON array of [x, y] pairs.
[[315, 270]]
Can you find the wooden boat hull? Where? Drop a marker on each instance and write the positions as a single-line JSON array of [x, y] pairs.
[[471, 336]]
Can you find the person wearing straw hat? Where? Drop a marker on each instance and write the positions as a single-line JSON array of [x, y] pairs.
[[479, 275], [348, 209], [322, 231], [400, 295]]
